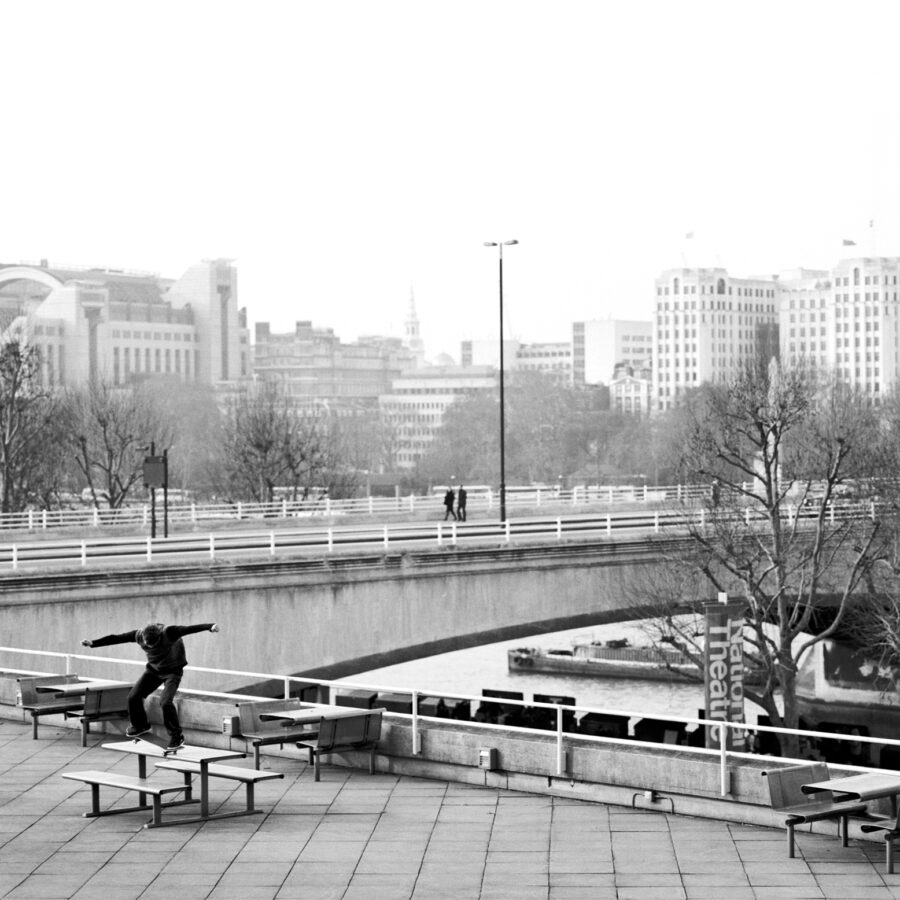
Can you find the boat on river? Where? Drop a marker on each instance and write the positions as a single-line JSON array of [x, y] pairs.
[[614, 659]]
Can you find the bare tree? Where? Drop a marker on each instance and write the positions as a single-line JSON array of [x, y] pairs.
[[777, 445], [268, 444], [26, 414], [110, 430]]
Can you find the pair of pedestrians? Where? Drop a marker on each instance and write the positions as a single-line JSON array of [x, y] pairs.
[[449, 499]]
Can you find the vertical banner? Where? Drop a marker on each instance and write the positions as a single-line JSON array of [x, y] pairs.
[[723, 666]]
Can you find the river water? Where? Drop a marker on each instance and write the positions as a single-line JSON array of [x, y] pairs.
[[469, 671]]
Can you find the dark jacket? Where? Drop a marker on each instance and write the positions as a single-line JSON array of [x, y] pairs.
[[165, 658]]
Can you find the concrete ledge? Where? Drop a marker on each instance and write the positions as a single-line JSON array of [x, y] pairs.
[[596, 770]]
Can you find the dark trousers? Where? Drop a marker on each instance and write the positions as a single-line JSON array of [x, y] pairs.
[[449, 513], [144, 687], [461, 513]]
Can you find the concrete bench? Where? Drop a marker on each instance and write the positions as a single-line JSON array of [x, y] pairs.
[[235, 773], [356, 732], [257, 733], [787, 797], [101, 704], [38, 704], [125, 783]]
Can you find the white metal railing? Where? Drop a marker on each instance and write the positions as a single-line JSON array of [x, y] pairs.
[[628, 524], [417, 694], [139, 515]]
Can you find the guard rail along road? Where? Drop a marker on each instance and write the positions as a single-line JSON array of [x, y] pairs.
[[325, 538]]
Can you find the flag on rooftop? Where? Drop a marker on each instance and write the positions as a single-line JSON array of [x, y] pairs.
[[849, 243]]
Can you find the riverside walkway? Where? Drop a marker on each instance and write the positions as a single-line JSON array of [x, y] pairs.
[[354, 836]]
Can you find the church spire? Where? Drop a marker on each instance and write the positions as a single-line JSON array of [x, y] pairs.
[[413, 340]]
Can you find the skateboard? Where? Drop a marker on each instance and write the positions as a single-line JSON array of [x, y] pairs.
[[160, 742]]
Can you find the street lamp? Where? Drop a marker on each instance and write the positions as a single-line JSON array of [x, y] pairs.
[[500, 245]]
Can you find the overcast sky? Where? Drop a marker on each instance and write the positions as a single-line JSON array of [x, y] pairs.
[[343, 153]]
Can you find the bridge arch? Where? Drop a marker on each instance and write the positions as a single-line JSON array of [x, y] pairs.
[[29, 273]]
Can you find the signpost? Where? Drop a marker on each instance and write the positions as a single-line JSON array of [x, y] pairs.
[[156, 474], [723, 667]]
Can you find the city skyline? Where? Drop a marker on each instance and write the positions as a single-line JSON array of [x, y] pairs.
[[347, 154]]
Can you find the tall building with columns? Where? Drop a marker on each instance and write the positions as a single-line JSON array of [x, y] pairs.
[[124, 326], [844, 320]]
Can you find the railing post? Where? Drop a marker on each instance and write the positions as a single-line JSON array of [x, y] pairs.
[[371, 506], [212, 546], [656, 522], [608, 525], [328, 506], [416, 743], [271, 543], [44, 520], [31, 520], [440, 535], [559, 528], [508, 530], [287, 687], [284, 507], [412, 503], [560, 749], [96, 517], [723, 760], [15, 557], [149, 549], [240, 508], [83, 553], [453, 533], [68, 664], [330, 539], [385, 537]]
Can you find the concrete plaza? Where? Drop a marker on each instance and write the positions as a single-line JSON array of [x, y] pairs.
[[353, 836]]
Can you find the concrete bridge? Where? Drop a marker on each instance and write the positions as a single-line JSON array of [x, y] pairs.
[[337, 616]]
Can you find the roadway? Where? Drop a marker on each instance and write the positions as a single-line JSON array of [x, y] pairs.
[[323, 540]]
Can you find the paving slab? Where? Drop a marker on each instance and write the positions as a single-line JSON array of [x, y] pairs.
[[354, 836]]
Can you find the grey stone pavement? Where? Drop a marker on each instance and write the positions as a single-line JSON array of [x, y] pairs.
[[354, 836]]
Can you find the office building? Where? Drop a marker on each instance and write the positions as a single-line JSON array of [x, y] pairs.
[[706, 324], [123, 326], [599, 345], [414, 408], [313, 366]]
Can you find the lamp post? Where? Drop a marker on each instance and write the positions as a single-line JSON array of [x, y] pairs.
[[500, 245]]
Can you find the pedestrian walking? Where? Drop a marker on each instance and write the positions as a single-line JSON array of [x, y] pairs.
[[166, 660], [461, 504], [449, 499]]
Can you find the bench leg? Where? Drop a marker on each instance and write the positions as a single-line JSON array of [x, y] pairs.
[[85, 728], [316, 757], [256, 756], [790, 839], [157, 809], [844, 830], [889, 854], [95, 799], [250, 798], [372, 762], [34, 724]]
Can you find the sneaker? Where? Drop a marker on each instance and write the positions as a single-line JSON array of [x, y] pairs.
[[132, 732], [175, 743]]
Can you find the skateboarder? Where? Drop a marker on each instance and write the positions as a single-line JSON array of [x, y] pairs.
[[166, 660]]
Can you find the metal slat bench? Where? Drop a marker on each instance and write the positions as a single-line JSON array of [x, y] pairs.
[[127, 783], [249, 777], [101, 704], [355, 732], [257, 732], [788, 798], [45, 704]]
